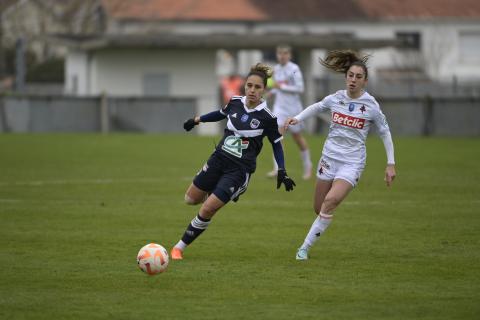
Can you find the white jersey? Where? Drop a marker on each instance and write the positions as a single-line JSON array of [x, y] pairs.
[[351, 120], [287, 97]]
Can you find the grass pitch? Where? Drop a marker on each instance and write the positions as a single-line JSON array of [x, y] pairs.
[[75, 210]]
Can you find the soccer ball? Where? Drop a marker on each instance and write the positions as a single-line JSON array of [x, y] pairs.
[[152, 259]]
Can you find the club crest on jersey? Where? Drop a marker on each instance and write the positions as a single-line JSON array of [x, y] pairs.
[[351, 106], [254, 123], [363, 109], [244, 118]]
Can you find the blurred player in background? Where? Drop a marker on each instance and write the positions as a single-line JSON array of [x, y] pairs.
[[353, 111], [227, 172], [287, 85]]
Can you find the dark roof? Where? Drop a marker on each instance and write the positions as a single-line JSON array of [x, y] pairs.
[[225, 41], [290, 10]]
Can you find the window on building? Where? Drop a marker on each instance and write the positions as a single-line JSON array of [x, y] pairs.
[[411, 39]]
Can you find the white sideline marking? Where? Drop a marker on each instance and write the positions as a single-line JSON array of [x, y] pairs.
[[10, 200], [308, 203], [39, 183], [305, 204]]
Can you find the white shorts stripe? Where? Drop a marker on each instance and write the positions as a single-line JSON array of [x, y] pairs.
[[279, 139], [243, 188]]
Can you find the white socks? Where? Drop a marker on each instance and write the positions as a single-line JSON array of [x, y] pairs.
[[181, 245], [307, 163], [318, 227], [305, 155]]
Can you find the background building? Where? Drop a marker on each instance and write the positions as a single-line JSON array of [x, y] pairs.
[[181, 49]]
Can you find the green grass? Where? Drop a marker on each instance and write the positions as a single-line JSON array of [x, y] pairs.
[[75, 209]]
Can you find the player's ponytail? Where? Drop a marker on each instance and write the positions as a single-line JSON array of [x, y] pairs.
[[341, 60], [261, 70]]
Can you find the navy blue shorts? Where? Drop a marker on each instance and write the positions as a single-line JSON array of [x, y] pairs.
[[222, 177]]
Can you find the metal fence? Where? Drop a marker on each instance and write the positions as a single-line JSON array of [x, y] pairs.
[[415, 106], [426, 116], [405, 87], [452, 116], [34, 113]]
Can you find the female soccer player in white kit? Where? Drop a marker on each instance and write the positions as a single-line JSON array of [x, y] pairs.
[[287, 87], [353, 111]]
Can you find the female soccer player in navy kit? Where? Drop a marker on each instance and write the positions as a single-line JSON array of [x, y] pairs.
[[353, 111], [227, 172]]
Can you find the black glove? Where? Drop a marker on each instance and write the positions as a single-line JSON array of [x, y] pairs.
[[286, 180], [189, 124]]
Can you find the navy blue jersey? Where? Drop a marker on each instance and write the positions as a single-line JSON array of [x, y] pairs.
[[242, 140]]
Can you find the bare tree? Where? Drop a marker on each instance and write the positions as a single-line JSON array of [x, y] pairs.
[[437, 48], [35, 20]]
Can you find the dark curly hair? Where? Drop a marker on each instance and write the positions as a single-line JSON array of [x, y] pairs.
[[341, 61], [261, 70]]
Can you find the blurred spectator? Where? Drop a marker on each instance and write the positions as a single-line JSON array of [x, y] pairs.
[[231, 86], [6, 84]]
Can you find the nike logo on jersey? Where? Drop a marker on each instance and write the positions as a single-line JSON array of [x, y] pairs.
[[348, 121]]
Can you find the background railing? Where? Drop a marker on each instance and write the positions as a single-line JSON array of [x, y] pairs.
[[416, 116], [57, 113]]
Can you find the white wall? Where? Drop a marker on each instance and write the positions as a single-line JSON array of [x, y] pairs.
[[192, 74], [76, 73], [441, 52]]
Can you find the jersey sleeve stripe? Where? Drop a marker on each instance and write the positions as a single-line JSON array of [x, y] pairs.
[[269, 112]]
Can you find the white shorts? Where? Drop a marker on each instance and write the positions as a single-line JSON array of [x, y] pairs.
[[329, 169], [281, 118]]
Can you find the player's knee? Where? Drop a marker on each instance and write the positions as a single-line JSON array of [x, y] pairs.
[[330, 203], [208, 210], [189, 200]]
